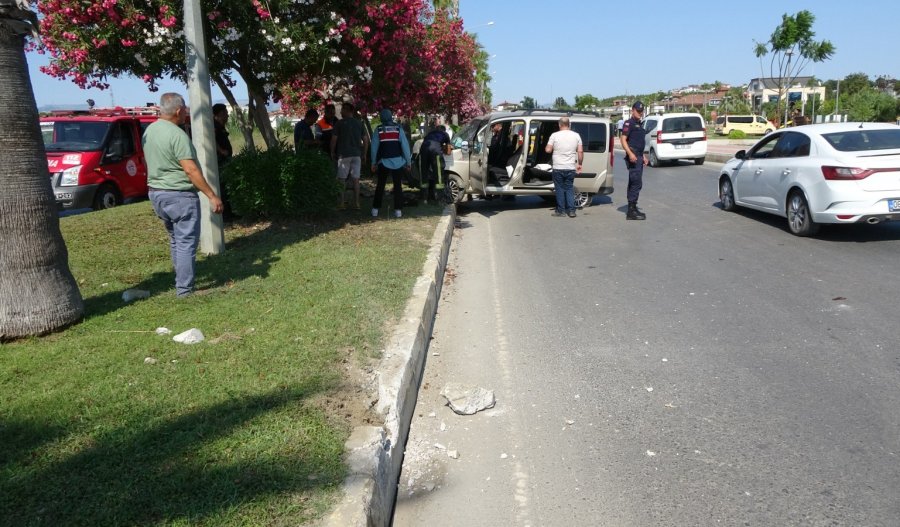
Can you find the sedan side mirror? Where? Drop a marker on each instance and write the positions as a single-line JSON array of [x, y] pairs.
[[740, 154]]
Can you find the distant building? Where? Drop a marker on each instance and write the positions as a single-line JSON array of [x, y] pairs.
[[766, 89], [506, 106]]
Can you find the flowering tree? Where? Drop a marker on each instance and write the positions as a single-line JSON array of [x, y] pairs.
[[37, 291], [265, 44], [404, 57]]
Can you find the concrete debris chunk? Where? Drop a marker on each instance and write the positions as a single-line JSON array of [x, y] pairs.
[[130, 295], [467, 400], [453, 454], [191, 336]]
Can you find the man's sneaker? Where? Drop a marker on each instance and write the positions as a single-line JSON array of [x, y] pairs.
[[398, 213], [634, 214], [572, 214], [374, 213], [558, 214]]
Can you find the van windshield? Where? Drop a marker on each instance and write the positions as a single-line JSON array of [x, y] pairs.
[[76, 136], [690, 123]]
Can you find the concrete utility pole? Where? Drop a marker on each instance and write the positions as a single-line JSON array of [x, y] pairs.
[[212, 234]]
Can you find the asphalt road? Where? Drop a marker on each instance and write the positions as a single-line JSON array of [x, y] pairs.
[[698, 368]]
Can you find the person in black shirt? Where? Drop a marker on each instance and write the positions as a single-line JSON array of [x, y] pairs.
[[223, 144], [633, 138]]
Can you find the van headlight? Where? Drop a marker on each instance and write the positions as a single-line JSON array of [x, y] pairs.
[[70, 176]]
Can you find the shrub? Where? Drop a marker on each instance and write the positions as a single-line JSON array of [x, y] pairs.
[[280, 183], [737, 134]]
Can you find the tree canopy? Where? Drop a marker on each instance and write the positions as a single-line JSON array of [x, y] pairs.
[[386, 52]]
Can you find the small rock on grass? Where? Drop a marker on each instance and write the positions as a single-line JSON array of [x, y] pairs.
[[150, 360], [163, 331], [191, 336]]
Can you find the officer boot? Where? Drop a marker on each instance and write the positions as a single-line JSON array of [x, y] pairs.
[[633, 212]]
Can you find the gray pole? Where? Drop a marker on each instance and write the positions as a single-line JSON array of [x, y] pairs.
[[212, 235]]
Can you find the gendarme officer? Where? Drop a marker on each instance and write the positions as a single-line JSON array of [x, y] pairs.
[[632, 139]]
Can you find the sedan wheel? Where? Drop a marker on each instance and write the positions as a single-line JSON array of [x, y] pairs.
[[726, 194], [799, 217]]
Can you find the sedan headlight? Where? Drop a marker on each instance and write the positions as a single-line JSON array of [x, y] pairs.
[[70, 176]]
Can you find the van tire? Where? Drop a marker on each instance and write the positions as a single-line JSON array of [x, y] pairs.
[[583, 199], [768, 131], [454, 191], [699, 160], [654, 161], [107, 197]]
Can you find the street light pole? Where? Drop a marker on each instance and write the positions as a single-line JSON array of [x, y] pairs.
[[212, 236], [786, 95]]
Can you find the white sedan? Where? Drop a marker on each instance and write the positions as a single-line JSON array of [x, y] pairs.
[[822, 173]]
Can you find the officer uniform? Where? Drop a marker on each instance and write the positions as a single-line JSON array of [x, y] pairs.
[[635, 135], [390, 154]]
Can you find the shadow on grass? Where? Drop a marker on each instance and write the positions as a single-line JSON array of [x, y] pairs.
[[251, 255], [149, 474]]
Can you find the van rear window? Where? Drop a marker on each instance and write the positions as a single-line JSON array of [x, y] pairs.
[[682, 124], [593, 136]]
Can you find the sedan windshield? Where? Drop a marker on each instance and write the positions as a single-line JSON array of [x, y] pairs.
[[864, 140], [76, 136]]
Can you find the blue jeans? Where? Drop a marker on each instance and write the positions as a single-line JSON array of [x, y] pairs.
[[180, 213], [564, 185]]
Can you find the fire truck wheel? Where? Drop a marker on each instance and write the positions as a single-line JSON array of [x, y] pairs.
[[107, 197]]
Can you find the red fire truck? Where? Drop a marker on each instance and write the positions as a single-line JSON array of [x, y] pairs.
[[95, 156]]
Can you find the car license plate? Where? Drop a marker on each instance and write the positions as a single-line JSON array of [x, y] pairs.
[[682, 147], [894, 205], [63, 195]]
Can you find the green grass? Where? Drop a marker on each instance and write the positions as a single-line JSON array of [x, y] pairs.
[[233, 431]]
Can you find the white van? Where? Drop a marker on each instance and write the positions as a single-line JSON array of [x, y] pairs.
[[519, 165], [749, 124], [675, 136]]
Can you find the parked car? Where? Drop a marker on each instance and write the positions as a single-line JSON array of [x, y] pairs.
[[822, 173], [95, 158], [675, 136], [749, 124], [519, 165]]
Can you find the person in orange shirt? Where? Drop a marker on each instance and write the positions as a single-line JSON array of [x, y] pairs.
[[326, 125]]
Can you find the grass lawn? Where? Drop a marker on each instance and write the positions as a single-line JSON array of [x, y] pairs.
[[246, 428]]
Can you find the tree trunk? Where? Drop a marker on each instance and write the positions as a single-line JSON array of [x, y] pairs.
[[261, 117], [38, 293], [245, 125]]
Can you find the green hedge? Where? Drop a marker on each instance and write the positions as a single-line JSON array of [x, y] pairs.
[[737, 134], [278, 183]]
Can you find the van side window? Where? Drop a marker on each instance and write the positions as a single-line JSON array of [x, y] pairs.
[[650, 125], [741, 119], [593, 136], [121, 140]]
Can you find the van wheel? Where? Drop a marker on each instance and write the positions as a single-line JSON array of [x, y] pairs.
[[654, 161], [454, 191], [699, 160], [768, 131], [107, 197], [583, 199]]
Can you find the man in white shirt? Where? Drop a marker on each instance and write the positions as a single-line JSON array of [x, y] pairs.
[[568, 154]]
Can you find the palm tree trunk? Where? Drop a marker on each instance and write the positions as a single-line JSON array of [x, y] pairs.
[[38, 293]]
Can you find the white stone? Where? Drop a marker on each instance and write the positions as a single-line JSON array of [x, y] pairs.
[[150, 360], [467, 400], [440, 446], [191, 336], [163, 331], [454, 454]]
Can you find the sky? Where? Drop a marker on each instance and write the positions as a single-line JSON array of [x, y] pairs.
[[564, 48]]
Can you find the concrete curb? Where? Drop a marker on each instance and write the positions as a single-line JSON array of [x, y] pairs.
[[374, 454]]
